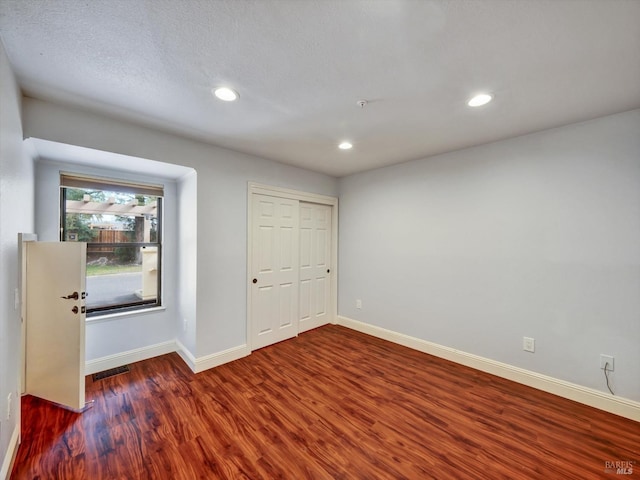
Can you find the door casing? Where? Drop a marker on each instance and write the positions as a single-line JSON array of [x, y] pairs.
[[22, 281]]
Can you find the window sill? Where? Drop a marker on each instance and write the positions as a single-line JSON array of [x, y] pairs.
[[116, 316]]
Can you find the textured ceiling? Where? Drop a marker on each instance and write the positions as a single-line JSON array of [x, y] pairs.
[[301, 65]]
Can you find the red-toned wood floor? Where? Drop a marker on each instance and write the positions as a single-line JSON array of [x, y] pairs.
[[330, 404]]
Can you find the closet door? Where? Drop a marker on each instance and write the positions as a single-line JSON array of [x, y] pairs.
[[275, 269], [315, 263]]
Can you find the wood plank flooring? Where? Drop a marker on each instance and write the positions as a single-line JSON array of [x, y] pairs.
[[330, 404]]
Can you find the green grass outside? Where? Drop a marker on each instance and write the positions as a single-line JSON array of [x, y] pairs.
[[112, 269]]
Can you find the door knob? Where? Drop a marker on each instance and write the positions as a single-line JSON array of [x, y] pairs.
[[328, 270], [255, 280], [74, 309], [73, 296]]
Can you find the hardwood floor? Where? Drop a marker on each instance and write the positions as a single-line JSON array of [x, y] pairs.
[[330, 404]]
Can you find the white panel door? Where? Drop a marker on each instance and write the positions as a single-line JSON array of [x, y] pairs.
[[315, 265], [274, 291], [55, 322]]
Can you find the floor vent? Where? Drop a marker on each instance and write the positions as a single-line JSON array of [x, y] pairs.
[[111, 372]]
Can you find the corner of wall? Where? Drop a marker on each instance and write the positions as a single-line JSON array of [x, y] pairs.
[[186, 355], [187, 248], [200, 364]]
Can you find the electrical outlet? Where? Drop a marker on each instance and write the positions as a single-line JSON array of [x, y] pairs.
[[358, 303], [606, 360], [184, 325], [16, 299], [528, 344], [9, 405]]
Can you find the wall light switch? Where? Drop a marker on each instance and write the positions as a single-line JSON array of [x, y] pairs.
[[358, 303]]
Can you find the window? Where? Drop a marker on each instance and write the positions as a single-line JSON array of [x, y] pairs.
[[122, 225]]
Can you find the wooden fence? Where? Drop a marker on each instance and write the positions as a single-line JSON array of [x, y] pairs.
[[109, 236]]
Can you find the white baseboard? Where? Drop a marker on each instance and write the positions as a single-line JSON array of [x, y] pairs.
[[186, 355], [220, 358], [195, 364], [10, 456], [131, 356], [588, 396], [201, 364]]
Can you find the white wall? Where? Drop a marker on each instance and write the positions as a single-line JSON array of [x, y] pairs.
[[187, 260], [121, 334], [16, 215], [222, 177], [533, 236]]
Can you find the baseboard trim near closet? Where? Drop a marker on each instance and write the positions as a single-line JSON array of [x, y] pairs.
[[200, 364]]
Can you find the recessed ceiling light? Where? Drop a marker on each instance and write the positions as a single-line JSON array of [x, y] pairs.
[[345, 146], [480, 99], [226, 94]]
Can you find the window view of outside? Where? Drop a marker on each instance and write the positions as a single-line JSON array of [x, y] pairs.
[[121, 231]]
